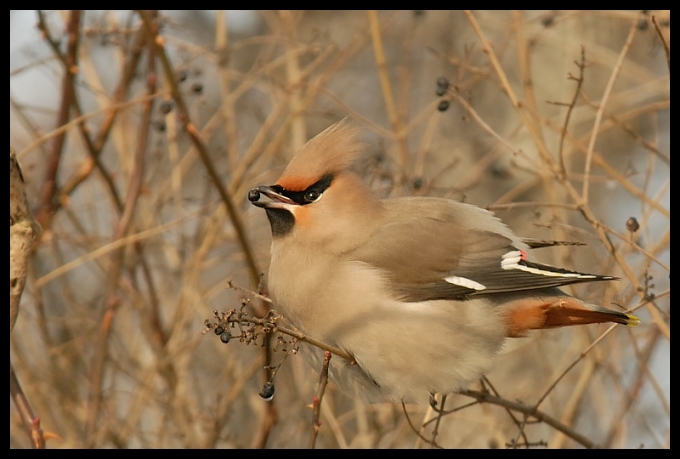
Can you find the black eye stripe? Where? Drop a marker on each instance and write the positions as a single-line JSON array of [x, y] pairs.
[[299, 196]]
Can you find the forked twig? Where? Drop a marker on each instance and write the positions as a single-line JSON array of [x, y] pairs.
[[486, 397], [579, 83]]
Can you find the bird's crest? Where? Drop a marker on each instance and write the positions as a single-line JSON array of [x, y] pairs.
[[331, 151]]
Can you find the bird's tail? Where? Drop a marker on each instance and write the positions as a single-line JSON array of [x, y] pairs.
[[539, 313]]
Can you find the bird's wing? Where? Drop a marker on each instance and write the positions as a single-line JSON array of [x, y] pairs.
[[433, 248]]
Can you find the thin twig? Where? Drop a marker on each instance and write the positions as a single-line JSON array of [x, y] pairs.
[[257, 295], [666, 48], [485, 397], [414, 429], [316, 403], [573, 364], [531, 204], [569, 408], [101, 251], [579, 83], [222, 51], [133, 57], [524, 61], [484, 125], [517, 105], [270, 416], [603, 102], [612, 172], [392, 112], [520, 425], [635, 388], [111, 301], [194, 135], [298, 129], [602, 230], [30, 421], [84, 170], [85, 134], [268, 323], [616, 121], [440, 412], [48, 201]]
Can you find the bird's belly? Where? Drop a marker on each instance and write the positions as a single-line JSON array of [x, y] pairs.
[[403, 351], [406, 352]]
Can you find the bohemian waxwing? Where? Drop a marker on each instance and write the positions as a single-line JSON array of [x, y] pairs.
[[421, 291]]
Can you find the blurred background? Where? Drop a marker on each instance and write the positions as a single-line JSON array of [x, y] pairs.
[[140, 133]]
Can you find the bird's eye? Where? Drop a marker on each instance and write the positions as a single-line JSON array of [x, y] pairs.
[[312, 195]]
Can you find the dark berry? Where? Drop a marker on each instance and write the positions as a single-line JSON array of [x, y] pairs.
[[267, 391], [253, 195], [632, 224], [165, 107]]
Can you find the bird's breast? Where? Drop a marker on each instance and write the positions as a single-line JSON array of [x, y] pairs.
[[319, 292]]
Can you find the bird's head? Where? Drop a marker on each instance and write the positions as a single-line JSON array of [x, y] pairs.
[[318, 200]]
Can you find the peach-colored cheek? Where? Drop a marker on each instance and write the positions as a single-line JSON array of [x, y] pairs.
[[301, 215]]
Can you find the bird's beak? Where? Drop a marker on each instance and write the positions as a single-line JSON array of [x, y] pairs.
[[275, 199]]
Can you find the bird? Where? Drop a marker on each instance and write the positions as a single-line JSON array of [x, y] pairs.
[[421, 292]]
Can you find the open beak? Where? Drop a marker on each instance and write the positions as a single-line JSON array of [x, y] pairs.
[[274, 199]]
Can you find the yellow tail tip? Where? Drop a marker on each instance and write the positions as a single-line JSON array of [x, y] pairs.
[[633, 321]]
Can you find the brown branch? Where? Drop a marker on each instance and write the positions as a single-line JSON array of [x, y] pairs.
[[591, 156], [533, 129], [520, 425], [269, 322], [417, 431], [194, 135], [532, 411], [271, 415], [316, 403], [524, 62], [94, 147], [438, 420], [30, 421], [616, 121], [613, 173], [636, 387], [602, 232], [111, 301], [48, 201], [133, 57], [392, 112], [666, 48]]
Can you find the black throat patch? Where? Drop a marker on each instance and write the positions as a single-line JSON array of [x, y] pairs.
[[281, 221]]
